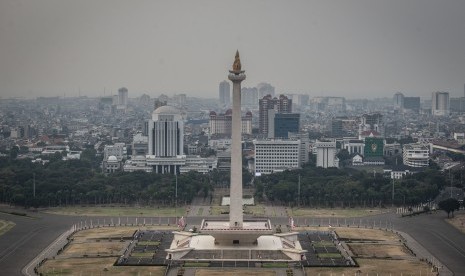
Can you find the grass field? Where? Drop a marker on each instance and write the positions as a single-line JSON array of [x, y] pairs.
[[218, 210], [458, 221], [95, 266], [346, 213], [5, 226], [94, 251], [379, 251], [376, 267], [234, 272], [255, 210], [118, 211]]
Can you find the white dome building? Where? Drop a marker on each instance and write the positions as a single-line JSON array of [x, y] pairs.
[[166, 139]]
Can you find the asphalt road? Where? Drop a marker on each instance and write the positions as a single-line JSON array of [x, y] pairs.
[[32, 235], [28, 238]]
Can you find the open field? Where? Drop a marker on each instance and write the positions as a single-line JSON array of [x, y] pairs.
[[5, 226], [346, 213], [379, 251], [96, 266], [255, 210], [118, 211], [94, 251], [375, 267], [218, 210], [116, 233], [376, 251], [458, 221], [234, 272]]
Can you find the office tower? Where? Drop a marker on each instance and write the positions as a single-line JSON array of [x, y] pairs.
[[276, 155], [399, 100], [269, 106], [285, 123], [412, 103], [265, 89], [440, 105], [122, 98], [326, 153], [249, 96], [166, 138], [225, 93]]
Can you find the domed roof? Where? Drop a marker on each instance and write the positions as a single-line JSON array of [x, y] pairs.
[[166, 109], [212, 113], [112, 158]]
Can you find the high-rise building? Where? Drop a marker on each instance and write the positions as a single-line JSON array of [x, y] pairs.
[[278, 105], [222, 123], [326, 153], [371, 125], [276, 155], [440, 105], [416, 155], [166, 138], [180, 99], [457, 104], [225, 93], [249, 96], [412, 103], [265, 89], [122, 98], [285, 123], [399, 100]]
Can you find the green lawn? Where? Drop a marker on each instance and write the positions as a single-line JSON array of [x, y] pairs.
[[329, 255], [255, 210], [118, 211], [5, 226], [323, 243], [217, 210]]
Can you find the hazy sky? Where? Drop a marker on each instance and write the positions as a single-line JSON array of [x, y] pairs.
[[351, 48]]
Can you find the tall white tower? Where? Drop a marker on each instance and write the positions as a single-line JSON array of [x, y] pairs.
[[440, 105], [236, 75], [225, 92]]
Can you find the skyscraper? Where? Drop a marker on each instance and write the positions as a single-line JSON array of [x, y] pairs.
[[285, 123], [166, 137], [399, 100], [225, 93], [440, 105], [122, 98], [267, 103], [265, 89]]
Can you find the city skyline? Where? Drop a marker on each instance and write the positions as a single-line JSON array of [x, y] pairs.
[[353, 49]]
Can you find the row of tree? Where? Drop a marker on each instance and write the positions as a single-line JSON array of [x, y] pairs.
[[79, 182], [348, 187], [75, 182]]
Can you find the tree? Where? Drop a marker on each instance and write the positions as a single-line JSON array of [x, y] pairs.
[[449, 205]]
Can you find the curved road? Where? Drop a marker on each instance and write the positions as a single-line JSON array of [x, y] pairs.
[[31, 236]]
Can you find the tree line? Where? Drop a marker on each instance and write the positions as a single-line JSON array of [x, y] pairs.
[[347, 188], [76, 182], [81, 182]]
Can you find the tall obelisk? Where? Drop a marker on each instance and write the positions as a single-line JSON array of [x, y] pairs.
[[236, 75]]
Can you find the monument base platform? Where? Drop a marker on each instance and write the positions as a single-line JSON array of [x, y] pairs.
[[188, 246], [248, 234]]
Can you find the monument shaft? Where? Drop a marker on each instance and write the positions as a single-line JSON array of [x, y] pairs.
[[235, 207]]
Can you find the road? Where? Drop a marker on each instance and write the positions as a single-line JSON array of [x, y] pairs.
[[31, 236]]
